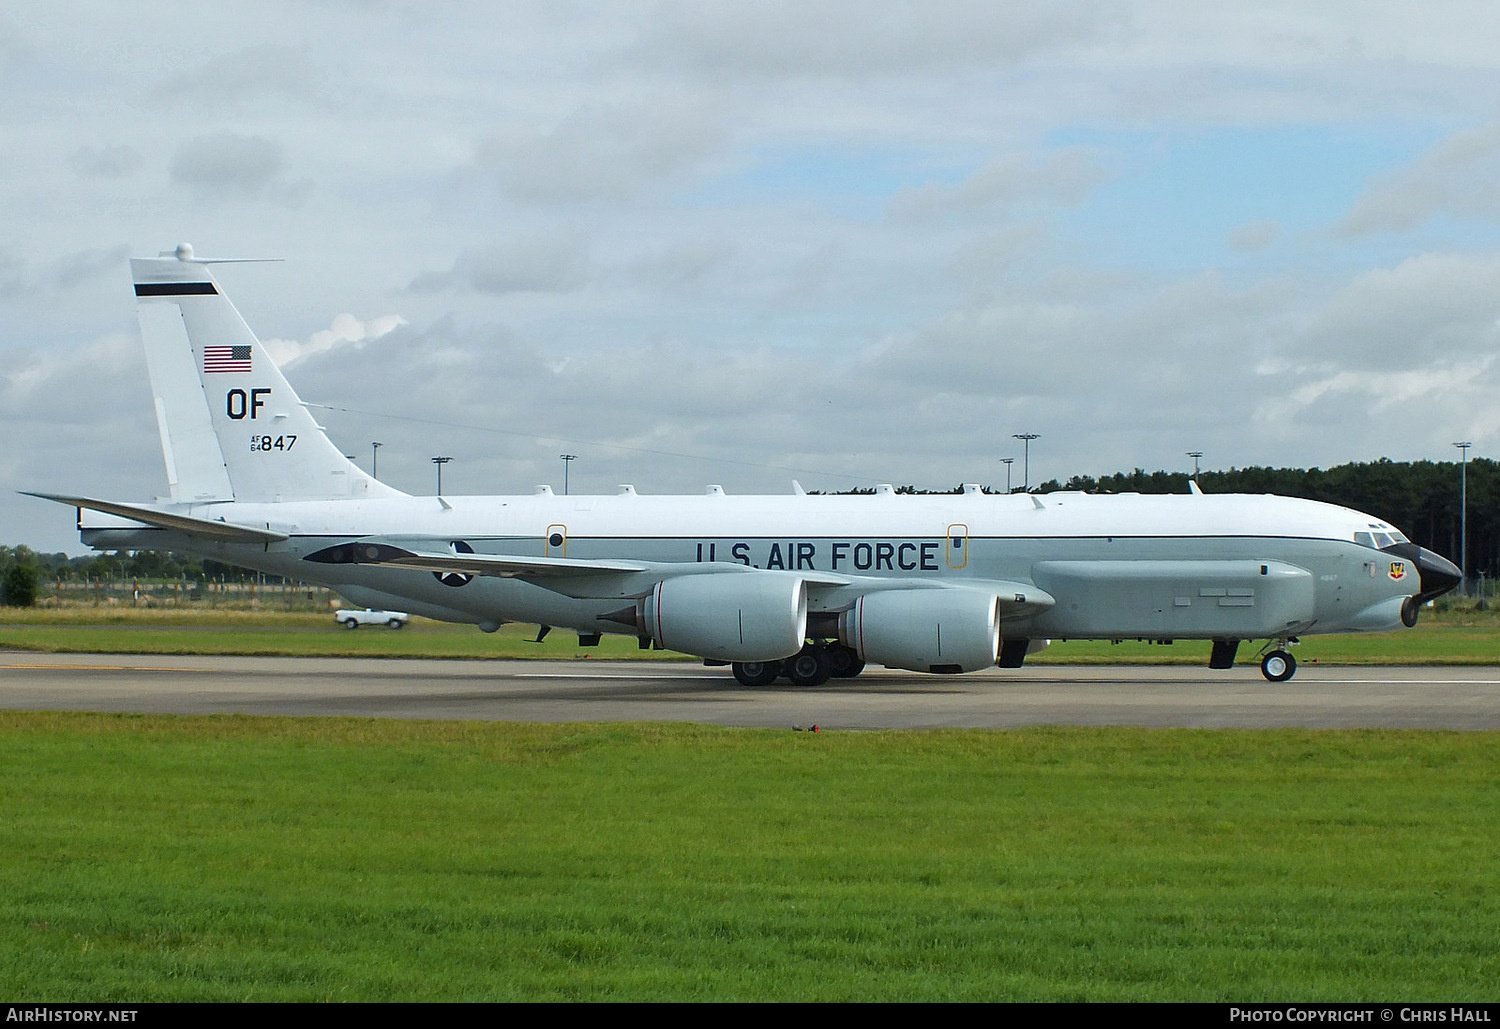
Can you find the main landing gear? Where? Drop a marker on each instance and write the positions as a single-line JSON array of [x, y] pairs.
[[813, 665], [756, 673]]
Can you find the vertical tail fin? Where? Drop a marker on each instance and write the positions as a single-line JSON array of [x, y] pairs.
[[232, 428]]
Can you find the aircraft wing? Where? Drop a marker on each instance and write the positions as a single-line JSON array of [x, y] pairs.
[[209, 528], [1014, 596], [502, 565], [513, 566]]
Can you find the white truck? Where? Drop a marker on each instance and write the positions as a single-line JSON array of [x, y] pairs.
[[353, 618]]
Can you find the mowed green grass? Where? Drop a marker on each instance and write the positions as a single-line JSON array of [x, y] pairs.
[[233, 858], [1453, 637]]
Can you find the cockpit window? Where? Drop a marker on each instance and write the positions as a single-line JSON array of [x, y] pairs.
[[1381, 539]]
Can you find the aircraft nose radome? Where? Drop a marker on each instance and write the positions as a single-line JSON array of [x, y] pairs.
[[1438, 574]]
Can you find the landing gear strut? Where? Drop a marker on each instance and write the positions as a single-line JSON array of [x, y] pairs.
[[1223, 653]]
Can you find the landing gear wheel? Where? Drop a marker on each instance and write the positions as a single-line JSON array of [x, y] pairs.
[[1410, 608], [756, 673], [844, 662], [1278, 666], [807, 667]]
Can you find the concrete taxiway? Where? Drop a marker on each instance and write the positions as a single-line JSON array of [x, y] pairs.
[[1465, 698]]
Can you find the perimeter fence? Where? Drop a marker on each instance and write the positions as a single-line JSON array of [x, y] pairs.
[[187, 593]]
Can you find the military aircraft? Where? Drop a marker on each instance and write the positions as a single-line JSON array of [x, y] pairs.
[[800, 585]]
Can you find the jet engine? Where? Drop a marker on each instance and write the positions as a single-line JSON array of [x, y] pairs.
[[940, 630], [728, 616]]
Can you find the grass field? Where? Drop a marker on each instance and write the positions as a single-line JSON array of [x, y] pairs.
[[1446, 636], [230, 858], [155, 858]]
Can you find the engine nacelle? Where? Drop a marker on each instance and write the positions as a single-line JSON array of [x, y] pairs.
[[754, 616], [939, 630]]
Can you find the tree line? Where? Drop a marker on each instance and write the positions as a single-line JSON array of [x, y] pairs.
[[114, 565], [1421, 498], [23, 570]]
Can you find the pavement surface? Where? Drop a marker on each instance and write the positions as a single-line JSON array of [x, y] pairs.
[[1462, 698]]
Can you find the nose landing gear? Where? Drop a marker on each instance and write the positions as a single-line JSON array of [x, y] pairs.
[[1278, 665]]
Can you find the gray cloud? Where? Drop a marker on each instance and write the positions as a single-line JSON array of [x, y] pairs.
[[77, 402], [12, 275], [238, 167], [827, 38], [680, 265], [67, 272], [232, 79], [602, 152], [1253, 236], [1460, 175], [85, 265], [552, 264], [15, 48], [1063, 177], [983, 262], [1428, 308], [105, 162]]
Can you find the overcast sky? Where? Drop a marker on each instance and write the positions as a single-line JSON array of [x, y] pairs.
[[741, 243]]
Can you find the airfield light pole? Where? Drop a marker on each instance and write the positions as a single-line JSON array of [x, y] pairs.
[[1195, 454], [1463, 517], [1026, 438], [440, 461], [567, 459], [1007, 462], [375, 460]]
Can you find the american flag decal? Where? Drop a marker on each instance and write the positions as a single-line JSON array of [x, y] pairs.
[[226, 359]]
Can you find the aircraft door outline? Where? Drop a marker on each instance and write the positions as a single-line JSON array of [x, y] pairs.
[[956, 546]]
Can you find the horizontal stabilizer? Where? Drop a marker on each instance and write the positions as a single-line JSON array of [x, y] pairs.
[[205, 527]]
